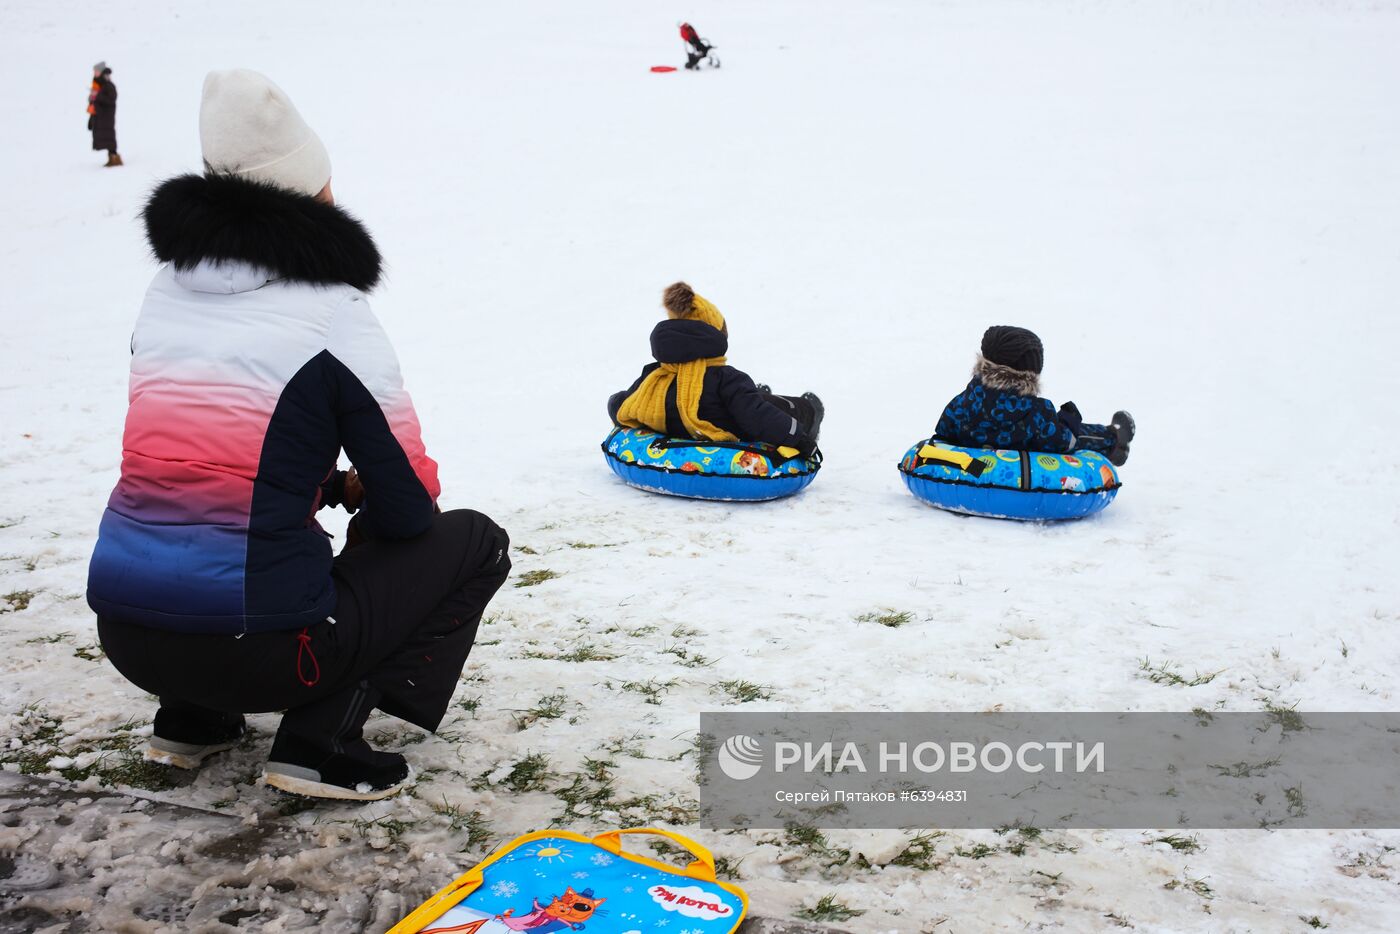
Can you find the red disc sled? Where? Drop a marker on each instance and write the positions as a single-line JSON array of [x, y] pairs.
[[662, 68]]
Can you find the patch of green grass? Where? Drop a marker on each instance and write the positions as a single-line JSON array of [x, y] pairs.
[[17, 600], [535, 578], [814, 842], [470, 704], [977, 851], [1245, 769], [727, 867], [583, 652], [526, 550], [49, 640], [89, 653], [130, 769], [828, 909], [590, 793], [686, 657], [684, 632], [585, 546], [1296, 806], [1197, 887], [1314, 921], [1024, 837], [667, 850], [743, 692], [548, 707], [1167, 673], [1288, 718], [651, 690], [1177, 842], [650, 810], [471, 823], [116, 760], [389, 828], [1026, 833], [892, 619], [529, 774], [629, 746], [920, 853]]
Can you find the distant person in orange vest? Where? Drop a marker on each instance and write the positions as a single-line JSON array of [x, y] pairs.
[[696, 49], [102, 113]]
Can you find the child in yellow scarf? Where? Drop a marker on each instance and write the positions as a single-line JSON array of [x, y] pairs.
[[692, 392]]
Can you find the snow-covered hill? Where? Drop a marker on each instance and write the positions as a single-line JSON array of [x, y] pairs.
[[1197, 206]]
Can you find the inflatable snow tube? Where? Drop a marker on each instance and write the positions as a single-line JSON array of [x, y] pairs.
[[727, 471], [1026, 485]]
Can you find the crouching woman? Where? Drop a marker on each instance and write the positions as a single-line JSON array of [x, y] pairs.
[[255, 361]]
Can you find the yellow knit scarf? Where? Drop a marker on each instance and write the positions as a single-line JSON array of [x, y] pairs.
[[646, 408]]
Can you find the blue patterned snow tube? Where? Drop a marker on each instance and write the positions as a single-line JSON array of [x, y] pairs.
[[728, 471], [1009, 484]]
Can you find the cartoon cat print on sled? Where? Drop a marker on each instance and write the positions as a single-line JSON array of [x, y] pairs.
[[566, 912]]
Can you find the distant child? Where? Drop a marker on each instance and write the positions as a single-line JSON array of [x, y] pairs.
[[690, 392], [696, 49], [1002, 407]]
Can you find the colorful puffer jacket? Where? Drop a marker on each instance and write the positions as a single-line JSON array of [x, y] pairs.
[[1002, 408], [255, 360]]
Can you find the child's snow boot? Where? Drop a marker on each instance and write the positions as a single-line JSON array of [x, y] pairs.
[[1124, 429], [818, 412], [112, 160]]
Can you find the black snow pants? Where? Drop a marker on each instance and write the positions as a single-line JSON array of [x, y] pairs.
[[405, 618]]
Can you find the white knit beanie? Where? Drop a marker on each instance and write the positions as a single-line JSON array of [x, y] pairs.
[[248, 126]]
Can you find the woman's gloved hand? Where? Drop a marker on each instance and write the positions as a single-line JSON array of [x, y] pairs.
[[354, 495]]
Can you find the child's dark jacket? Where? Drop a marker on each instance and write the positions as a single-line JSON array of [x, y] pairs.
[[730, 400], [1000, 409]]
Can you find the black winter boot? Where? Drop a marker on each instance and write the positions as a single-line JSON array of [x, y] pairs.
[[320, 751], [185, 735], [1124, 430], [818, 412], [356, 773]]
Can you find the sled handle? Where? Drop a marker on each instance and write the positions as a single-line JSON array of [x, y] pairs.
[[703, 868], [966, 462]]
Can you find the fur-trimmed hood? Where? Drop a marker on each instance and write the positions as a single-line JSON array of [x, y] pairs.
[[196, 218], [1004, 378]]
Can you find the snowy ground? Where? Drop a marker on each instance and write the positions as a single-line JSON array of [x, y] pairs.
[[1196, 204]]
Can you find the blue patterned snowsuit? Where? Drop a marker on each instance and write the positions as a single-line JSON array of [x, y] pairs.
[[981, 416]]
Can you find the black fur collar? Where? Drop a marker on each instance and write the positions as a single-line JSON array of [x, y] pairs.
[[192, 218]]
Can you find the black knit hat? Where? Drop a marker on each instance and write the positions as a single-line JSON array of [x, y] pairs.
[[1013, 347]]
